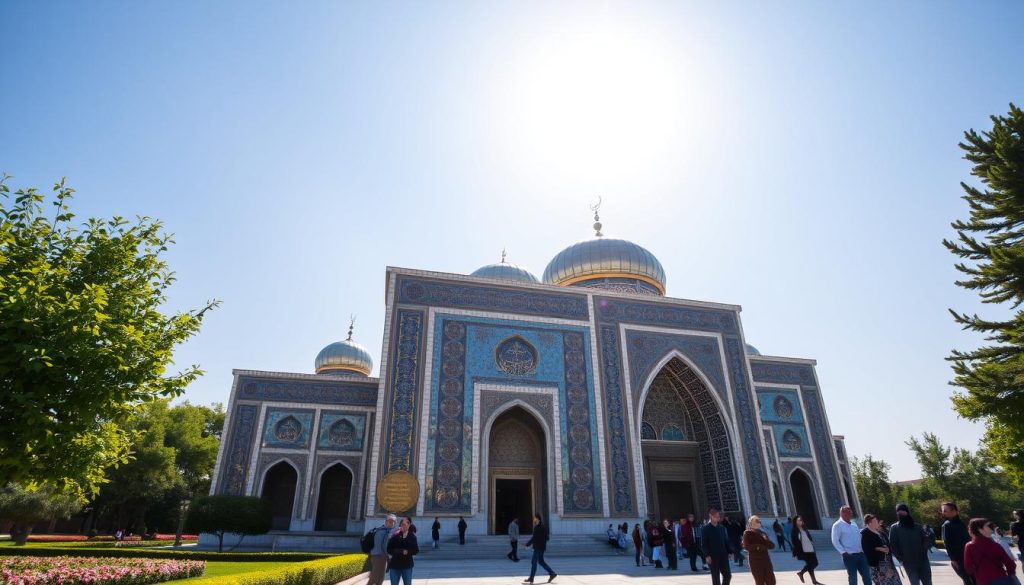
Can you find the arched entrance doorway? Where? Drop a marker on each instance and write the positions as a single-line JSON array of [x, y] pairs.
[[516, 474], [333, 499], [803, 498], [689, 463], [279, 491]]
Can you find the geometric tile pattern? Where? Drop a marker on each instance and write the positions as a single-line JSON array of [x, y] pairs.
[[341, 431], [325, 391], [404, 382], [286, 428], [235, 466], [803, 375], [422, 291]]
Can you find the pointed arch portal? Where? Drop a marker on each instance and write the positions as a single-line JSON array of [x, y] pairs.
[[279, 491], [688, 456]]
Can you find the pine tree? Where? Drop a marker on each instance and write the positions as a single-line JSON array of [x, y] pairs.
[[991, 248]]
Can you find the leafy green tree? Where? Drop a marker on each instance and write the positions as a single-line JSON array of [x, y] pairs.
[[875, 489], [26, 507], [84, 337], [990, 245], [244, 515], [172, 459]]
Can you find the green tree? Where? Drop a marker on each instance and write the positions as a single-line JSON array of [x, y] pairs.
[[990, 245], [83, 334], [26, 507], [172, 459], [875, 489], [220, 515]]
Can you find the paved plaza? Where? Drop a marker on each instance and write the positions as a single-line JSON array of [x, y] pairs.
[[622, 570]]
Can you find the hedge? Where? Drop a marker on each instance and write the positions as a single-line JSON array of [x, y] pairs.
[[321, 572], [150, 553]]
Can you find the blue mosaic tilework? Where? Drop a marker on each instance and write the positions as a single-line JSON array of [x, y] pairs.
[[341, 431], [621, 472], [791, 441], [647, 349], [235, 465], [803, 374], [324, 391], [287, 428], [403, 383], [470, 352], [779, 406], [434, 293], [750, 435], [672, 433], [662, 315]]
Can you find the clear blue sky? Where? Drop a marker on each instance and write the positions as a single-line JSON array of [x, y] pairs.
[[799, 159]]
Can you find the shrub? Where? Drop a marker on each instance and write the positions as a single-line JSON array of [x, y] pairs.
[[322, 572], [223, 514], [101, 571], [76, 549], [57, 538]]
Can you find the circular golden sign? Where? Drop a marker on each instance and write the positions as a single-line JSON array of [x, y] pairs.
[[398, 491]]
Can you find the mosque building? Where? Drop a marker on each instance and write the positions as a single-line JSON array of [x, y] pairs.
[[587, 396]]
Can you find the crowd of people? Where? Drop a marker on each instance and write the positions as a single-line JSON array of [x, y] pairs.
[[979, 552]]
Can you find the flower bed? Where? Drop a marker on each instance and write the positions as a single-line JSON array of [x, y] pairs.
[[171, 537], [57, 537], [94, 571]]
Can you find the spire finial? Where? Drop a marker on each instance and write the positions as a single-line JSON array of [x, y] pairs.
[[503, 254], [597, 218], [351, 326]]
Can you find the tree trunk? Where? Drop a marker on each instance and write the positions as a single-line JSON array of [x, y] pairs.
[[20, 532], [220, 544]]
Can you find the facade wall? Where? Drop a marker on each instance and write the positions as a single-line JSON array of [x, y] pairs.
[[460, 351]]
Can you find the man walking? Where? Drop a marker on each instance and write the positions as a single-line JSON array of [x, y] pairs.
[[714, 540], [779, 535], [462, 530], [435, 531], [955, 538], [909, 544], [513, 539], [539, 542], [379, 552], [688, 540], [846, 540]]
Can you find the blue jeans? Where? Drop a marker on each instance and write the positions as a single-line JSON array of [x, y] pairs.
[[404, 574], [537, 559], [856, 563]]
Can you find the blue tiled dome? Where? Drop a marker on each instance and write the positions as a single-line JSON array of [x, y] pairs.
[[751, 350], [607, 263], [507, 272], [343, 357]]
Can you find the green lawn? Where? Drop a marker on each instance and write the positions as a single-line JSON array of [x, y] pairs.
[[220, 568]]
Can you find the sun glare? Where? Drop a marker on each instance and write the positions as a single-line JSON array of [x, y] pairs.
[[597, 104]]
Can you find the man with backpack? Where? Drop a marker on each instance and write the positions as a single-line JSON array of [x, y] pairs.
[[375, 543]]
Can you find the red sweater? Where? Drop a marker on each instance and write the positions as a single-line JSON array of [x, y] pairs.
[[986, 561]]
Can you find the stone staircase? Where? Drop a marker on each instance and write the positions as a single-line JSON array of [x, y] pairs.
[[497, 546]]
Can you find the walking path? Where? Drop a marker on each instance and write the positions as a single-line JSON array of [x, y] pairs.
[[621, 570]]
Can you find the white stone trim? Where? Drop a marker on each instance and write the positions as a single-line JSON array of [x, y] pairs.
[[778, 472], [595, 366], [299, 376]]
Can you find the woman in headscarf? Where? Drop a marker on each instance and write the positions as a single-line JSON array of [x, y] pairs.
[[757, 544]]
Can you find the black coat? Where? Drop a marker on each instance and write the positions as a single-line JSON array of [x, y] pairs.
[[539, 540], [955, 538], [462, 526], [396, 545], [435, 530], [714, 541], [869, 540], [798, 545]]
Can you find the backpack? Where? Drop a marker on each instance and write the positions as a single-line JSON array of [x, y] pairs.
[[366, 542]]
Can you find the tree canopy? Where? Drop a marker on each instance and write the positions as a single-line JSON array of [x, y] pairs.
[[990, 245], [85, 339], [966, 477]]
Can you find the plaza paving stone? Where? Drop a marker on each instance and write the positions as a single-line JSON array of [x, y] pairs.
[[622, 570]]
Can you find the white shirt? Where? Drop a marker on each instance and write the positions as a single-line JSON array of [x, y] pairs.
[[806, 542], [846, 537]]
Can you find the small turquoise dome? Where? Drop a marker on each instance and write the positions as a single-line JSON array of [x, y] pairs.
[[344, 357], [751, 350], [507, 272], [607, 263]]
